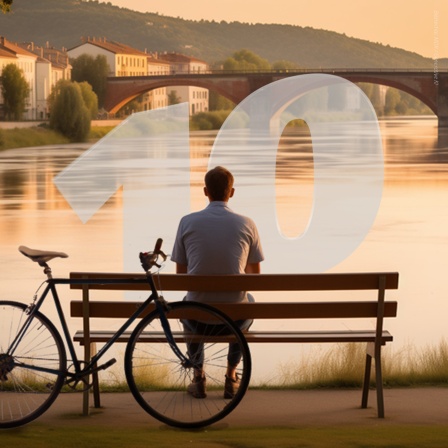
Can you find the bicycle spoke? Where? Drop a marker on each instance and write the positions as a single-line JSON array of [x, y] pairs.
[[32, 376], [159, 380]]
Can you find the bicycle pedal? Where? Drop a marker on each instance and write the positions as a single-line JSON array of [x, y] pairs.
[[107, 364]]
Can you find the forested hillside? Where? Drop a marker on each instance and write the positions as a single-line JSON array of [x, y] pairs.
[[63, 22]]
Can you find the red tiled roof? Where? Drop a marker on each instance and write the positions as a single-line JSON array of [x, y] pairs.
[[15, 49], [177, 57], [110, 45], [6, 53]]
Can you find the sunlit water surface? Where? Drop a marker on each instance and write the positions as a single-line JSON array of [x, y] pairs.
[[410, 234]]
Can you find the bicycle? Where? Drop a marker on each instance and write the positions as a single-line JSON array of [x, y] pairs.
[[158, 366]]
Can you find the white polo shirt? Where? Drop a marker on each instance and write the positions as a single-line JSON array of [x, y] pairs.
[[217, 241]]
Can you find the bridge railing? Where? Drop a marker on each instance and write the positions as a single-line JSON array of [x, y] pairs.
[[221, 72]]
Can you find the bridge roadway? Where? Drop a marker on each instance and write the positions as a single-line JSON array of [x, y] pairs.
[[428, 86]]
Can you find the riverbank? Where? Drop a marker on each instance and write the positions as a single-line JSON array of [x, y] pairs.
[[30, 136]]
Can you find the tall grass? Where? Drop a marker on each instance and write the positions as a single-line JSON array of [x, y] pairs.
[[343, 366], [26, 137], [338, 366], [42, 136]]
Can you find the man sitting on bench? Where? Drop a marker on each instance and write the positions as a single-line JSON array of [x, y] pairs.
[[216, 240]]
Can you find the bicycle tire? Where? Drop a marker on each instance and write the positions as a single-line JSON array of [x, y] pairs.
[[158, 379], [26, 389]]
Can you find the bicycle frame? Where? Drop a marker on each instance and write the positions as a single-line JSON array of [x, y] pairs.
[[91, 365]]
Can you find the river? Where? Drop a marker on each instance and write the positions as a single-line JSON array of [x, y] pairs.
[[409, 235]]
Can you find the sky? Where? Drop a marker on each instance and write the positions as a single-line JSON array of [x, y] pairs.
[[414, 25]]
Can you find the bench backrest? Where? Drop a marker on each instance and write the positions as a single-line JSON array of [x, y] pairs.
[[258, 310], [246, 282], [255, 282]]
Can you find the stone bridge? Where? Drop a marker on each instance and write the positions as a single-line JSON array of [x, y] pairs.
[[426, 85]]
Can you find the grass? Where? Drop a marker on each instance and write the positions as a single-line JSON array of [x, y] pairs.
[[338, 366], [59, 435], [25, 137], [343, 366], [42, 136], [98, 132]]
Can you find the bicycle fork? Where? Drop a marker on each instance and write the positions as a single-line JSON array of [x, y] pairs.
[[163, 306]]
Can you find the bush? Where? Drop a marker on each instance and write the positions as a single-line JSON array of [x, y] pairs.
[[69, 114], [206, 121]]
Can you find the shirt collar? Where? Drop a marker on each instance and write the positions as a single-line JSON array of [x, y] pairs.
[[217, 204]]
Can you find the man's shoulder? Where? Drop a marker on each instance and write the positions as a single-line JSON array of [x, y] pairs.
[[221, 211]]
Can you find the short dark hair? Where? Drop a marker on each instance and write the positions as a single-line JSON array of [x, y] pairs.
[[219, 183]]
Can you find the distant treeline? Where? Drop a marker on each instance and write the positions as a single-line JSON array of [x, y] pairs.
[[61, 23]]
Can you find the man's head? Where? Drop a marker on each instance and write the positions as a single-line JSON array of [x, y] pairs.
[[219, 184]]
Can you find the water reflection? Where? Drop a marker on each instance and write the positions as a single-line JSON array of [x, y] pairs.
[[409, 235]]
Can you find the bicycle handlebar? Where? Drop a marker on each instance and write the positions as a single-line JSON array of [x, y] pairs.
[[149, 259]]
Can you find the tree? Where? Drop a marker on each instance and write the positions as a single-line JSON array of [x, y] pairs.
[[90, 99], [68, 113], [94, 71], [15, 91], [173, 98], [393, 98], [284, 65], [246, 60], [5, 5], [218, 102]]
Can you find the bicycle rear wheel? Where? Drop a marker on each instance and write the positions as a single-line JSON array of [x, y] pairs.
[[32, 367], [158, 379]]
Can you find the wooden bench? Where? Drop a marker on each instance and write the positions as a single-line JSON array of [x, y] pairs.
[[368, 309]]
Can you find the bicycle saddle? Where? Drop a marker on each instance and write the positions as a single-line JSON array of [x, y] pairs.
[[41, 256]]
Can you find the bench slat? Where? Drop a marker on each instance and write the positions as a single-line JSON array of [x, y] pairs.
[[247, 282], [258, 310], [251, 336]]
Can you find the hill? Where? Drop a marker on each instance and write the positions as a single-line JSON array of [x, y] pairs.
[[63, 22]]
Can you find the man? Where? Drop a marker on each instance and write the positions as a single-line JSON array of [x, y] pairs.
[[217, 241]]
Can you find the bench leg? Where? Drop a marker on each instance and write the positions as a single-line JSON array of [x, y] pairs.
[[95, 382], [85, 402], [95, 386], [86, 393], [379, 386], [366, 383], [373, 353]]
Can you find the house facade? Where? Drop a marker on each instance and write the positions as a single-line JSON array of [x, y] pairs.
[[197, 97], [156, 98], [42, 67], [11, 53], [124, 60], [52, 65]]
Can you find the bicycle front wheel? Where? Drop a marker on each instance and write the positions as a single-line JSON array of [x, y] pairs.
[[32, 364], [159, 378]]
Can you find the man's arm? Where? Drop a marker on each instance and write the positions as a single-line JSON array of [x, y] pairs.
[[252, 268], [181, 268]]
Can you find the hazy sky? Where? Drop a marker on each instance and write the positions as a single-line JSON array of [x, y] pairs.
[[415, 25]]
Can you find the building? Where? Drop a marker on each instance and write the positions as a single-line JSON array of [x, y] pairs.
[[52, 65], [42, 68], [11, 53], [156, 98], [197, 97], [123, 60]]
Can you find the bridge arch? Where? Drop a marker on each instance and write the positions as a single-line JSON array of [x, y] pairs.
[[118, 94], [403, 86], [427, 86]]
